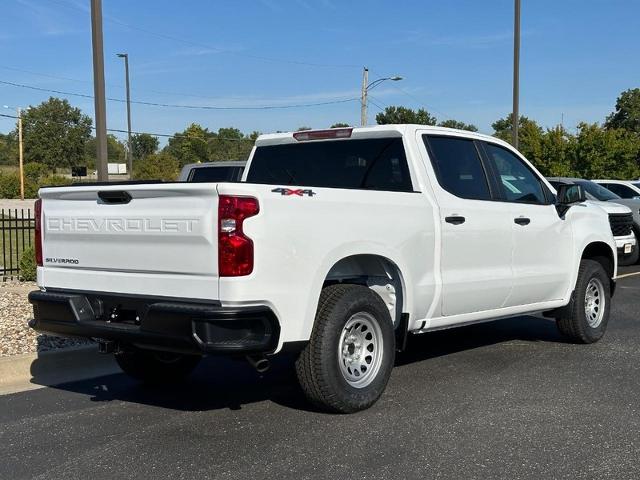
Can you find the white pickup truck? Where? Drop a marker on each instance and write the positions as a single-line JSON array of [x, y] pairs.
[[338, 244]]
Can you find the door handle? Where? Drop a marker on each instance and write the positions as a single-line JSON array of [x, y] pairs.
[[522, 221], [455, 219]]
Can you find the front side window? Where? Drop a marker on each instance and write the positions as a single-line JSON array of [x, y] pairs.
[[458, 167], [518, 182]]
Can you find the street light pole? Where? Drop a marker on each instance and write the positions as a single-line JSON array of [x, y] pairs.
[[129, 152], [365, 92], [98, 89], [515, 117]]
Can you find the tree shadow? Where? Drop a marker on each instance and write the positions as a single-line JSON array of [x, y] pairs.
[[223, 383]]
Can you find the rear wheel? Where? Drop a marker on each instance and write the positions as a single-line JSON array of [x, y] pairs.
[[346, 365], [156, 367], [585, 319]]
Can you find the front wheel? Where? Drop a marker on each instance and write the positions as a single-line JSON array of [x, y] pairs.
[[585, 319], [156, 367], [346, 365]]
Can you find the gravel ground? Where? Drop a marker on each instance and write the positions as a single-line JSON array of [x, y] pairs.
[[15, 336]]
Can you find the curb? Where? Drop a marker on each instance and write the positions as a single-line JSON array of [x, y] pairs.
[[29, 371]]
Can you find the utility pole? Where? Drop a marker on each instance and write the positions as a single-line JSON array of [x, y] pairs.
[[21, 153], [98, 91], [363, 98], [129, 152], [515, 119]]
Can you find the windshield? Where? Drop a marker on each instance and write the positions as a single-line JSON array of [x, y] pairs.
[[636, 184], [214, 174], [600, 193]]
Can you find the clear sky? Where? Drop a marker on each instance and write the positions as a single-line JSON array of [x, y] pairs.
[[456, 57]]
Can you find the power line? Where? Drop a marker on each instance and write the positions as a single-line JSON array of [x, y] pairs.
[[210, 47], [191, 107], [164, 135], [114, 85]]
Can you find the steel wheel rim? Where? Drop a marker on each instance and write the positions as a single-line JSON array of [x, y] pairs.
[[360, 350], [594, 302]]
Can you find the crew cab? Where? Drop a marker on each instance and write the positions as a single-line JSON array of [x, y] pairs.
[[337, 245]]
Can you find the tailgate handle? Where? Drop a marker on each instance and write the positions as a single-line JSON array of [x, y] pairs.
[[114, 196]]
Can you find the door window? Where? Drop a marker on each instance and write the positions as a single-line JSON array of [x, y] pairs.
[[518, 182], [458, 166]]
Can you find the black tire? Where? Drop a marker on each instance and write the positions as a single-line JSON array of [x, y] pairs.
[[156, 367], [319, 367], [574, 323]]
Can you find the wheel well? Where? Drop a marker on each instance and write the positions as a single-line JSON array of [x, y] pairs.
[[376, 272], [601, 253]]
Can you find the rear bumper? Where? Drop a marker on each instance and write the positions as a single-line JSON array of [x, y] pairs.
[[183, 326]]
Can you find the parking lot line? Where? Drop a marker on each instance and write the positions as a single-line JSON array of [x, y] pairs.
[[627, 275]]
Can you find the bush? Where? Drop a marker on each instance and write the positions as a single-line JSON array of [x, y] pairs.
[[158, 166], [28, 264], [34, 172], [10, 182], [9, 185]]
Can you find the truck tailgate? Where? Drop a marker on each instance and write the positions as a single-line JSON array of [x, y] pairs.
[[153, 239]]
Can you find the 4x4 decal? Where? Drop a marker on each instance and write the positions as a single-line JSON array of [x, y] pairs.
[[297, 191]]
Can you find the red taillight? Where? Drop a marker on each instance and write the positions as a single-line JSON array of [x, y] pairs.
[[306, 135], [38, 231], [235, 249]]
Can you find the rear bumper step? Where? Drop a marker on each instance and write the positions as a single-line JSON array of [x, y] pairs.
[[156, 323]]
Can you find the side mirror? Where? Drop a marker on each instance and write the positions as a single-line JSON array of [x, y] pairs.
[[569, 195]]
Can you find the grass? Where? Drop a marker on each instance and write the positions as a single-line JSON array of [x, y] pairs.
[[11, 241], [8, 168]]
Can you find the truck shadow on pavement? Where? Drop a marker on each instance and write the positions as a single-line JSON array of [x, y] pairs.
[[222, 383]]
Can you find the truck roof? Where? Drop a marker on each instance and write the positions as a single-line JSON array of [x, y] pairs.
[[375, 131]]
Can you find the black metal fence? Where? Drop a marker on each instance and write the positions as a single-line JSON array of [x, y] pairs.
[[17, 227]]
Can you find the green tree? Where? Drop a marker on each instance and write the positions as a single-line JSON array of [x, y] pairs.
[[529, 135], [556, 157], [340, 125], [459, 125], [627, 113], [608, 153], [157, 166], [8, 150], [143, 144], [189, 146], [55, 134], [116, 152], [396, 115], [303, 128], [230, 144]]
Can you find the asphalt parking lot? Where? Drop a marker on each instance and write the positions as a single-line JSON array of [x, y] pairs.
[[506, 399]]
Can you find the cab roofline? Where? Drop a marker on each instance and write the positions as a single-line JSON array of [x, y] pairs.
[[376, 131]]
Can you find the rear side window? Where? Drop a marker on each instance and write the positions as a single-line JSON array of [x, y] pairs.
[[214, 174], [458, 167], [371, 164]]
